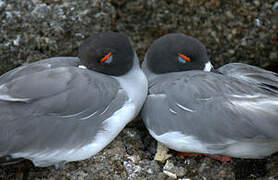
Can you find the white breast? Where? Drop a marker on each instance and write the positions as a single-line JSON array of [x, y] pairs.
[[179, 142], [253, 148], [136, 85]]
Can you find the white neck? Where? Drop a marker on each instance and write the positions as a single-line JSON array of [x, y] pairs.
[[135, 84]]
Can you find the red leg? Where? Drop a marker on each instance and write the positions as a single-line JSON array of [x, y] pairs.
[[219, 157]]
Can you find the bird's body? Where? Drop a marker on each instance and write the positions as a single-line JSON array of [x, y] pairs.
[[54, 111], [232, 112]]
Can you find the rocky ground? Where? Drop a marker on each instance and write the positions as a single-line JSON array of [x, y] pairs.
[[233, 31]]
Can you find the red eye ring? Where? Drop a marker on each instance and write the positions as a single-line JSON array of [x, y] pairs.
[[106, 57], [184, 57]]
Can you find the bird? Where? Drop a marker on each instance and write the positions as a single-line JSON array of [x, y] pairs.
[[191, 107], [64, 109]]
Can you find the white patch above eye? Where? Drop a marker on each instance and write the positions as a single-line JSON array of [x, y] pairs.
[[208, 66], [181, 60], [108, 60], [82, 67]]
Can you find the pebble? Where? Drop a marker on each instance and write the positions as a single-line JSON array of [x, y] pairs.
[[273, 56]]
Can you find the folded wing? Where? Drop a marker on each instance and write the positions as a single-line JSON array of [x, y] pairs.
[[59, 107], [211, 107], [263, 78]]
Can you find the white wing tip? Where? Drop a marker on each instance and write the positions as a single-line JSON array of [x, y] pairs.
[[82, 67], [13, 99]]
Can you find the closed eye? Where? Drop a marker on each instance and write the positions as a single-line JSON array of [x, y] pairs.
[[183, 59], [107, 58]]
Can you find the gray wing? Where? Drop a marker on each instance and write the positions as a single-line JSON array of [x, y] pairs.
[[211, 107], [61, 108], [263, 78], [38, 66]]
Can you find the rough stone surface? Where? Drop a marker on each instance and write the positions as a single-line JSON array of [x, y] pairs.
[[233, 31]]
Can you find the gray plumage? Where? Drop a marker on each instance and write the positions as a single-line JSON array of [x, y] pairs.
[[66, 109], [263, 78], [232, 112], [213, 113], [59, 102]]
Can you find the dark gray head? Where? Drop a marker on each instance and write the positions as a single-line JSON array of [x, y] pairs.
[[108, 53], [177, 52]]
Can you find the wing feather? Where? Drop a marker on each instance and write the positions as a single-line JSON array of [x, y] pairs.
[[38, 66], [215, 108], [265, 79], [64, 103]]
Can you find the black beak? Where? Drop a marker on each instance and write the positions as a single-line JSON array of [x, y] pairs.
[[215, 71]]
